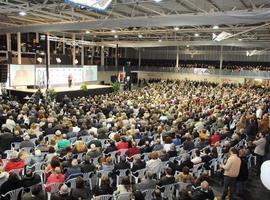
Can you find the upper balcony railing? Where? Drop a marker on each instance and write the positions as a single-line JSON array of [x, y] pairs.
[[199, 71]]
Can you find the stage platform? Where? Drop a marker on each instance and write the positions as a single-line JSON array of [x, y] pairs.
[[74, 91]]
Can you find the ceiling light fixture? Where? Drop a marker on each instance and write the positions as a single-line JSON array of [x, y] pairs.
[[113, 31], [157, 1], [160, 40], [87, 32], [176, 28], [196, 34], [140, 36], [115, 36], [22, 13], [240, 39], [215, 27]]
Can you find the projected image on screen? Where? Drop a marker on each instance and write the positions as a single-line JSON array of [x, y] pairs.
[[59, 76], [22, 75], [89, 73]]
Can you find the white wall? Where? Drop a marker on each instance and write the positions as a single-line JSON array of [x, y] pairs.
[[180, 76]]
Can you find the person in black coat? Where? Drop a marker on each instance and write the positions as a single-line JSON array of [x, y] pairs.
[[30, 179], [87, 166], [6, 139], [111, 147], [104, 188], [12, 183], [137, 164], [167, 179], [80, 192], [203, 193], [243, 173]]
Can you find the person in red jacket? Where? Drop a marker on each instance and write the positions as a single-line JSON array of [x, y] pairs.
[[215, 138], [133, 150], [55, 177], [15, 162], [123, 144]]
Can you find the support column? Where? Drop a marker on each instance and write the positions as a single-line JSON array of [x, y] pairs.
[[82, 53], [37, 38], [221, 57], [19, 48], [92, 55], [140, 58], [177, 57], [48, 63], [73, 49], [8, 42], [116, 58], [64, 45], [102, 56], [9, 52]]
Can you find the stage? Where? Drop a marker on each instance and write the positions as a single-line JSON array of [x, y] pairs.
[[74, 91]]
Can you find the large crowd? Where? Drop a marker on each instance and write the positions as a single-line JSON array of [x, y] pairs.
[[166, 140]]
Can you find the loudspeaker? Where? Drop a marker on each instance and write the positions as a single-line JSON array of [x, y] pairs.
[[113, 79], [134, 77], [3, 73]]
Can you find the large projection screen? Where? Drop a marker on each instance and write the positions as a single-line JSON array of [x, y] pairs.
[[22, 75], [59, 76], [90, 73]]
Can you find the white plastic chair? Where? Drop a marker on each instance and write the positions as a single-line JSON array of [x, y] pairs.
[[14, 194], [124, 196], [15, 145], [87, 178], [168, 191], [148, 194], [122, 173], [103, 197], [72, 182], [141, 173]]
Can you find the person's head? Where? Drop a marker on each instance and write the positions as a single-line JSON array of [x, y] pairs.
[[79, 182], [197, 152], [38, 153], [51, 149], [185, 170], [55, 162], [169, 171], [138, 195], [233, 151], [64, 190], [27, 138], [57, 170], [154, 155], [242, 153], [105, 180], [157, 193], [74, 163], [125, 181], [148, 175], [207, 150], [204, 186], [168, 140]]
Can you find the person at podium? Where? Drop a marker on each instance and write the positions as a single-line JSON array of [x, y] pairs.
[[69, 80]]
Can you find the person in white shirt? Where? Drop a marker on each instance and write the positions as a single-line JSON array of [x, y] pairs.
[[153, 165], [197, 159], [259, 150], [10, 124], [259, 112]]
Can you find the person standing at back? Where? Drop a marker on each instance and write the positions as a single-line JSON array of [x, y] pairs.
[[231, 172]]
